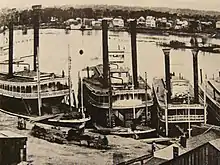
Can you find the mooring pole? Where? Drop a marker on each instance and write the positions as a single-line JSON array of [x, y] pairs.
[[110, 98], [205, 110], [166, 113], [201, 79], [146, 98]]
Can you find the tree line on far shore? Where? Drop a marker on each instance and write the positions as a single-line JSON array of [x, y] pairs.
[[23, 17]]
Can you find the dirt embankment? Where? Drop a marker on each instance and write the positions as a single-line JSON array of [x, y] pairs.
[[41, 152]]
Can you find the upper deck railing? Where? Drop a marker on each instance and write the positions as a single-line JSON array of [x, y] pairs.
[[48, 94], [32, 83]]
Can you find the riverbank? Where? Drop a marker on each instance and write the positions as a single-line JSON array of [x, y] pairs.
[[142, 30], [43, 152]]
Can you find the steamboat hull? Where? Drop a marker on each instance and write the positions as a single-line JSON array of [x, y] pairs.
[[213, 105], [120, 116], [179, 116], [30, 106]]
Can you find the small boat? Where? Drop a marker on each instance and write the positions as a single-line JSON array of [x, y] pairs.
[[138, 133]]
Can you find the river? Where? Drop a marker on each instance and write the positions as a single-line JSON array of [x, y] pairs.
[[54, 52]]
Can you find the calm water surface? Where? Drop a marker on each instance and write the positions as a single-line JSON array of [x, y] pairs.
[[54, 52]]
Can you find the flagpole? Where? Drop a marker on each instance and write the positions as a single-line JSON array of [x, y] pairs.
[[38, 84], [146, 98], [69, 77], [205, 110], [189, 111], [166, 113]]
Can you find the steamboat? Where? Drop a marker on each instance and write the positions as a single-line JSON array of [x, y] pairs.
[[209, 89], [38, 96], [114, 98], [178, 103]]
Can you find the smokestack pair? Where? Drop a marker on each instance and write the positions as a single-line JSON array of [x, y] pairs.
[[105, 52], [36, 13], [168, 76]]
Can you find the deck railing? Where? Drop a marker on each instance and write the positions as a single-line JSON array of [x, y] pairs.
[[191, 118], [34, 95], [24, 83]]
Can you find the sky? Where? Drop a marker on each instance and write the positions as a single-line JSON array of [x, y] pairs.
[[192, 4]]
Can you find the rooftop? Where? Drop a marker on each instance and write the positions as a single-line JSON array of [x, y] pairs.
[[26, 76], [9, 134], [216, 143], [155, 161]]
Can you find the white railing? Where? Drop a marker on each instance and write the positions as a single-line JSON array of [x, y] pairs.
[[115, 106], [186, 118], [47, 81], [121, 92], [185, 106], [34, 95]]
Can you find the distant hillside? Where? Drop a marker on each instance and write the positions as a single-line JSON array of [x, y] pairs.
[[159, 9]]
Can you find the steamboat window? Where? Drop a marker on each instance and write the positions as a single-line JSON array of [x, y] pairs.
[[22, 89], [199, 112], [143, 97], [44, 87], [105, 99], [7, 87], [52, 85], [59, 85], [35, 88], [127, 96], [10, 88], [28, 89], [1, 86], [122, 97], [192, 111], [14, 88], [18, 89]]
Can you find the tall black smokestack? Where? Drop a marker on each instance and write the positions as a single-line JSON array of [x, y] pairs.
[[167, 73], [134, 51], [36, 15], [105, 52], [195, 75], [10, 58]]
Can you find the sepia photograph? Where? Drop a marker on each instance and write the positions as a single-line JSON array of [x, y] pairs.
[[114, 82]]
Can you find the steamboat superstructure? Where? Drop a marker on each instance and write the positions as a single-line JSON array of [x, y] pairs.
[[112, 95], [177, 101]]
